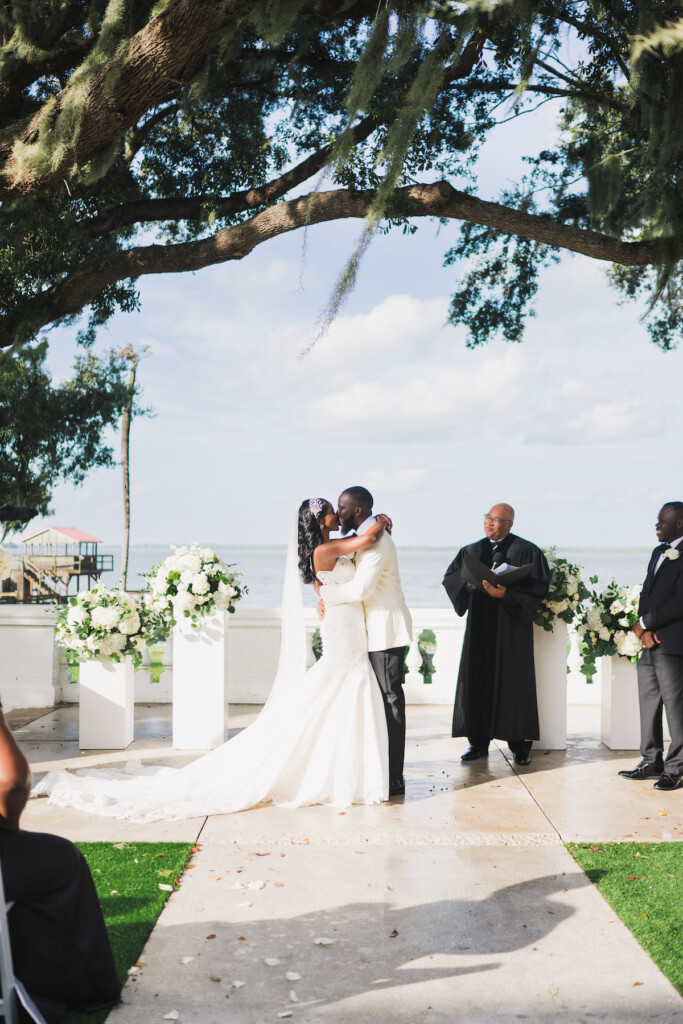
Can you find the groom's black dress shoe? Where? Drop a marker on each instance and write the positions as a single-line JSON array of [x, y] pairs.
[[668, 781], [473, 753], [397, 787], [644, 770], [522, 757]]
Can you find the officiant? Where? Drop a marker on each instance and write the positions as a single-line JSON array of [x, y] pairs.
[[496, 692]]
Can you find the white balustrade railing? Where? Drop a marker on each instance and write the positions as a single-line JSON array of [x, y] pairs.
[[33, 674]]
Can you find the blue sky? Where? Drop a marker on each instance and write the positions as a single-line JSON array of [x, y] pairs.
[[577, 427]]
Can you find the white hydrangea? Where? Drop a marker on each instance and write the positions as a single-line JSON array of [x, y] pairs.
[[628, 644], [105, 618], [112, 644], [593, 619], [130, 623], [199, 583], [77, 614], [183, 602], [604, 633]]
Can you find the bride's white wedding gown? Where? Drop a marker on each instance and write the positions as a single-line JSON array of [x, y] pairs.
[[326, 744]]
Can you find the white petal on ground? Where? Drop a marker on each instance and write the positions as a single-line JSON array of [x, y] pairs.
[[171, 1015], [245, 904], [292, 976], [187, 960], [166, 888], [238, 984], [271, 961], [256, 884], [292, 996], [323, 941]]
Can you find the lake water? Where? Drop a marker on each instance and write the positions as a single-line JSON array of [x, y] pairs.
[[422, 570]]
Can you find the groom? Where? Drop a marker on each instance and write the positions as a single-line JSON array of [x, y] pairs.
[[378, 585]]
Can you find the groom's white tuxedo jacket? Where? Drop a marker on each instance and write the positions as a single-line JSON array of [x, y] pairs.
[[378, 585]]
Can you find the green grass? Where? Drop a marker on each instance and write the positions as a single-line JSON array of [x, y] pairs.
[[643, 883], [127, 877]]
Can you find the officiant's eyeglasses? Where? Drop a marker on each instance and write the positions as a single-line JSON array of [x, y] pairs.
[[493, 519]]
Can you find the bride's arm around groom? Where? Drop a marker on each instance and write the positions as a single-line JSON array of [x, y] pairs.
[[377, 585]]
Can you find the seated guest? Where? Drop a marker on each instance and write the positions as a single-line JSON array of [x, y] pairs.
[[59, 943]]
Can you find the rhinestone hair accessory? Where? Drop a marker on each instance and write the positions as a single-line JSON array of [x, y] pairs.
[[316, 506]]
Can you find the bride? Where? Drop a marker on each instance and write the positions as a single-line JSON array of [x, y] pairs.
[[321, 737]]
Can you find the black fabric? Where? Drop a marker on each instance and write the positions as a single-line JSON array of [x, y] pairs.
[[389, 667], [496, 692], [59, 942], [661, 601]]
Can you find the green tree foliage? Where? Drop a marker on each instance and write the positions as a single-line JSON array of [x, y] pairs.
[[51, 433], [141, 137]]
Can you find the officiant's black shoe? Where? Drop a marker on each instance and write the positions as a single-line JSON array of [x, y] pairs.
[[645, 770], [473, 753], [522, 757], [668, 781], [397, 787]]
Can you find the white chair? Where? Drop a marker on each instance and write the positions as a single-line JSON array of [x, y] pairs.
[[13, 991]]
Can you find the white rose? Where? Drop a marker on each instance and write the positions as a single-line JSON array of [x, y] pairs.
[[604, 633], [226, 589], [92, 644], [673, 554], [105, 618], [623, 622]]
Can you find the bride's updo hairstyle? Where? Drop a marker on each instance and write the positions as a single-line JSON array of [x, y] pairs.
[[310, 535]]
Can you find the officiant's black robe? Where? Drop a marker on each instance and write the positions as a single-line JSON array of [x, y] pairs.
[[496, 693]]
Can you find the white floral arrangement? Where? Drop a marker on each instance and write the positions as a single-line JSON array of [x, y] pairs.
[[194, 583], [6, 563], [566, 593], [605, 625], [103, 623]]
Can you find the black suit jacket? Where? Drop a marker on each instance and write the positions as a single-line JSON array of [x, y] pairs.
[[661, 602]]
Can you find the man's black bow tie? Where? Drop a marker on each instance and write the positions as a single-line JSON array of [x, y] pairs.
[[663, 547]]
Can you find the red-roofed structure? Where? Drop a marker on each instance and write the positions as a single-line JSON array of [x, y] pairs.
[[53, 556]]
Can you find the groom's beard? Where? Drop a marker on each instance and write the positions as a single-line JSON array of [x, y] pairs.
[[345, 528]]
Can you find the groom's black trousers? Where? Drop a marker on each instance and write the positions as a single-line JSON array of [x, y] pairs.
[[389, 667]]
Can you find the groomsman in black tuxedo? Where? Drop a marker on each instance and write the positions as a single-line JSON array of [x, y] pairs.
[[660, 668]]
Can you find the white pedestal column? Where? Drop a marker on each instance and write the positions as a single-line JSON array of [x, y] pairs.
[[199, 684], [619, 713], [106, 704], [550, 659]]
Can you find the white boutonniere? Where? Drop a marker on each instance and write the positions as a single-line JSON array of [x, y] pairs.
[[673, 554]]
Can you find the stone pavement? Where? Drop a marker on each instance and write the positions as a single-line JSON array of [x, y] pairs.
[[457, 902]]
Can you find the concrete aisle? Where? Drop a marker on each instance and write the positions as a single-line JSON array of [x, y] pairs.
[[458, 902]]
